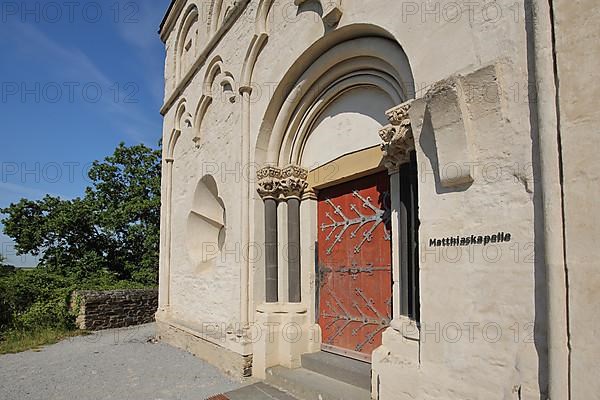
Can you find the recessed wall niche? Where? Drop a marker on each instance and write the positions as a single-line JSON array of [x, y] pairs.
[[205, 223]]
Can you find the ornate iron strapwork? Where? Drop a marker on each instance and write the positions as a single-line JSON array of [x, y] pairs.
[[355, 265], [381, 215], [338, 312]]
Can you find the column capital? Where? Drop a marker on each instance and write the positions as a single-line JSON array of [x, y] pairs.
[[288, 182], [269, 182], [246, 89], [397, 137], [293, 181]]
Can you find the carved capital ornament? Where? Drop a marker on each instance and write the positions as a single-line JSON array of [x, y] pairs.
[[397, 137], [269, 179], [293, 181], [288, 182]]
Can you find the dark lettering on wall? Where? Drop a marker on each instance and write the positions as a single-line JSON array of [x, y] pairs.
[[457, 241]]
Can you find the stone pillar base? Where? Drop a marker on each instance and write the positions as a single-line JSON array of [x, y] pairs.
[[395, 363], [281, 334]]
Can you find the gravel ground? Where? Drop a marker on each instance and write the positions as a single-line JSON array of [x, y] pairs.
[[120, 364]]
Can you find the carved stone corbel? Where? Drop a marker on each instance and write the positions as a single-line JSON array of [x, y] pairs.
[[397, 137], [293, 181], [269, 182]]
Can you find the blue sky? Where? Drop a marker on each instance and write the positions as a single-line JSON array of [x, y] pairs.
[[77, 78]]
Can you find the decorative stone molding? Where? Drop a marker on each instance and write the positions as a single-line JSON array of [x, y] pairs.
[[288, 182], [309, 194], [293, 181], [397, 137], [171, 143], [269, 182], [202, 54], [332, 10], [215, 73]]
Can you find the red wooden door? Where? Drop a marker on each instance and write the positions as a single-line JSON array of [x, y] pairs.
[[354, 265]]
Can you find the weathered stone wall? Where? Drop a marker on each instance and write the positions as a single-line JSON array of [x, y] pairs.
[[115, 308], [577, 59], [320, 88]]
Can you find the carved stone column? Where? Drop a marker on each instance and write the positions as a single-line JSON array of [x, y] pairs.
[[398, 142], [293, 184], [269, 188], [284, 185]]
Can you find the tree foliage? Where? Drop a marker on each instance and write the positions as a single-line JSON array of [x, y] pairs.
[[5, 269], [114, 227]]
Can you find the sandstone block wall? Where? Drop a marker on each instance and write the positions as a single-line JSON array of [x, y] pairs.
[[115, 308]]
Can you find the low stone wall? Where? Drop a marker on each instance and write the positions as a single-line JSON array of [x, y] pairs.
[[115, 308]]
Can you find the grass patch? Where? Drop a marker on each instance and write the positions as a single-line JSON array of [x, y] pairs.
[[18, 341]]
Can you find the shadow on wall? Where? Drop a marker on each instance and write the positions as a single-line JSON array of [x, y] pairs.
[[429, 146], [205, 224], [540, 294]]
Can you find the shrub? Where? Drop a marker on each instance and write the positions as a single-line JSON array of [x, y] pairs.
[[106, 239], [38, 299]]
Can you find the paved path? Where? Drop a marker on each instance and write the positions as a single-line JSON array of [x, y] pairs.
[[122, 364]]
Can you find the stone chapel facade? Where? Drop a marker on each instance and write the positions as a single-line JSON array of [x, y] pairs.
[[380, 180]]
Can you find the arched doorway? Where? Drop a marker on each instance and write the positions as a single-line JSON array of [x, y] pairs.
[[328, 201]]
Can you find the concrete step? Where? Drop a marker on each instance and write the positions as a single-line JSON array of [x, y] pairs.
[[258, 391], [353, 372], [309, 385]]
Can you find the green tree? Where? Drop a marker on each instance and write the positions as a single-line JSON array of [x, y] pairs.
[[62, 232], [126, 197], [113, 227]]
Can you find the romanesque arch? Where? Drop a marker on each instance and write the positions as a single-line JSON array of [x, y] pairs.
[[186, 45], [215, 74], [182, 125], [352, 76], [332, 12], [345, 62], [219, 12]]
